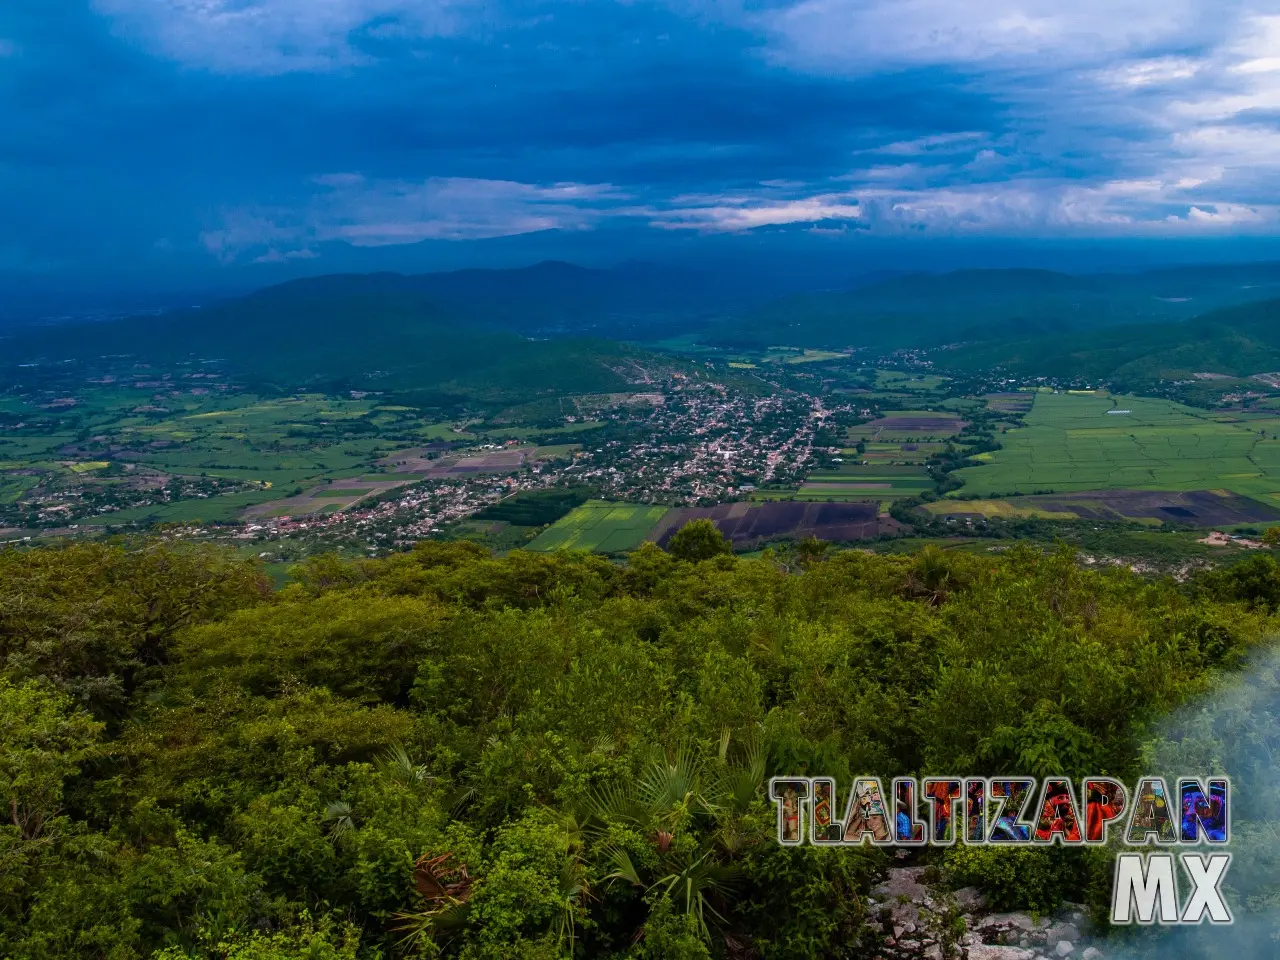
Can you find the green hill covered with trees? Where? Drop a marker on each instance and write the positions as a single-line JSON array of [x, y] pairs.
[[996, 306], [444, 753], [1238, 341], [345, 335]]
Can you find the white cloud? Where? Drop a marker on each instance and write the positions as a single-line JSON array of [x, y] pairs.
[[1151, 71], [1225, 214], [370, 213], [860, 36], [936, 143], [730, 214]]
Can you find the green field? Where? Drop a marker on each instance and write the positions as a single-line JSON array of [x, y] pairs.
[[911, 382], [1071, 442], [221, 509], [601, 527], [1004, 509], [857, 481], [886, 453]]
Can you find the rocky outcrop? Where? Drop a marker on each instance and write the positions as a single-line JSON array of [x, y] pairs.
[[920, 921]]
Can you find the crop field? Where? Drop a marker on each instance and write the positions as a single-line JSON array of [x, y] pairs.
[[797, 355], [813, 356], [500, 461], [749, 523], [1019, 402], [601, 527], [1079, 442], [856, 481], [909, 382], [1016, 508], [1202, 508], [893, 453], [908, 426], [221, 509], [328, 498]]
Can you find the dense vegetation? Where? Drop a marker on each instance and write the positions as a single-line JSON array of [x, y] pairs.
[[1237, 342], [447, 753], [536, 508], [366, 336], [998, 307]]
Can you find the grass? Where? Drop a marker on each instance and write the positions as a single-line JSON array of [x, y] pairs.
[[1070, 442], [813, 356], [220, 509], [869, 481], [524, 433], [601, 527], [995, 508], [558, 450], [911, 382]]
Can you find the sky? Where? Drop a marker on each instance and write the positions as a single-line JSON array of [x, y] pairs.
[[154, 139]]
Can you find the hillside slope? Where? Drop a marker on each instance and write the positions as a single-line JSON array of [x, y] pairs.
[[993, 305], [340, 334], [1237, 341]]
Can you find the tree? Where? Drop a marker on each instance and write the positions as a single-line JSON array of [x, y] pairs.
[[698, 540], [43, 740], [1272, 537]]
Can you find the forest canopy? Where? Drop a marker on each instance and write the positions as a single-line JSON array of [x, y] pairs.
[[448, 753]]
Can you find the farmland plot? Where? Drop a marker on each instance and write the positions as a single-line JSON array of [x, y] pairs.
[[1076, 442], [601, 527]]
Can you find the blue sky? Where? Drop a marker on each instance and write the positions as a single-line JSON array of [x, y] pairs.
[[205, 135]]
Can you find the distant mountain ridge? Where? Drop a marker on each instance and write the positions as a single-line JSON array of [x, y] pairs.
[[1238, 341], [551, 296], [928, 309], [367, 332]]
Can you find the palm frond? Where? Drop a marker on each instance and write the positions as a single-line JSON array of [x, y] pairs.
[[340, 817], [395, 763]]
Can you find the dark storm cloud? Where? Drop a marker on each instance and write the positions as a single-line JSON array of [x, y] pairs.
[[216, 131]]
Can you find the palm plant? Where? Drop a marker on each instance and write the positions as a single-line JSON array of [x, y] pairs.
[[341, 818], [683, 805], [395, 764], [933, 575]]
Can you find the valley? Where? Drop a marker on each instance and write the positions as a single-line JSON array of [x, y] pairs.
[[859, 445]]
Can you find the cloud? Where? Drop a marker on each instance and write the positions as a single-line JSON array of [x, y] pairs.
[[1151, 71], [279, 36], [730, 214], [371, 213], [857, 36], [208, 121]]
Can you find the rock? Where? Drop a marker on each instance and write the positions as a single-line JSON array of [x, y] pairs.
[[1091, 953], [1064, 948], [1021, 921], [933, 952], [905, 914], [984, 951], [902, 882], [970, 899], [1063, 931]]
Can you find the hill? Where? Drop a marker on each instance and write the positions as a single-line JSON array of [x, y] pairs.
[[341, 332], [922, 309], [551, 297], [449, 754], [1237, 341]]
